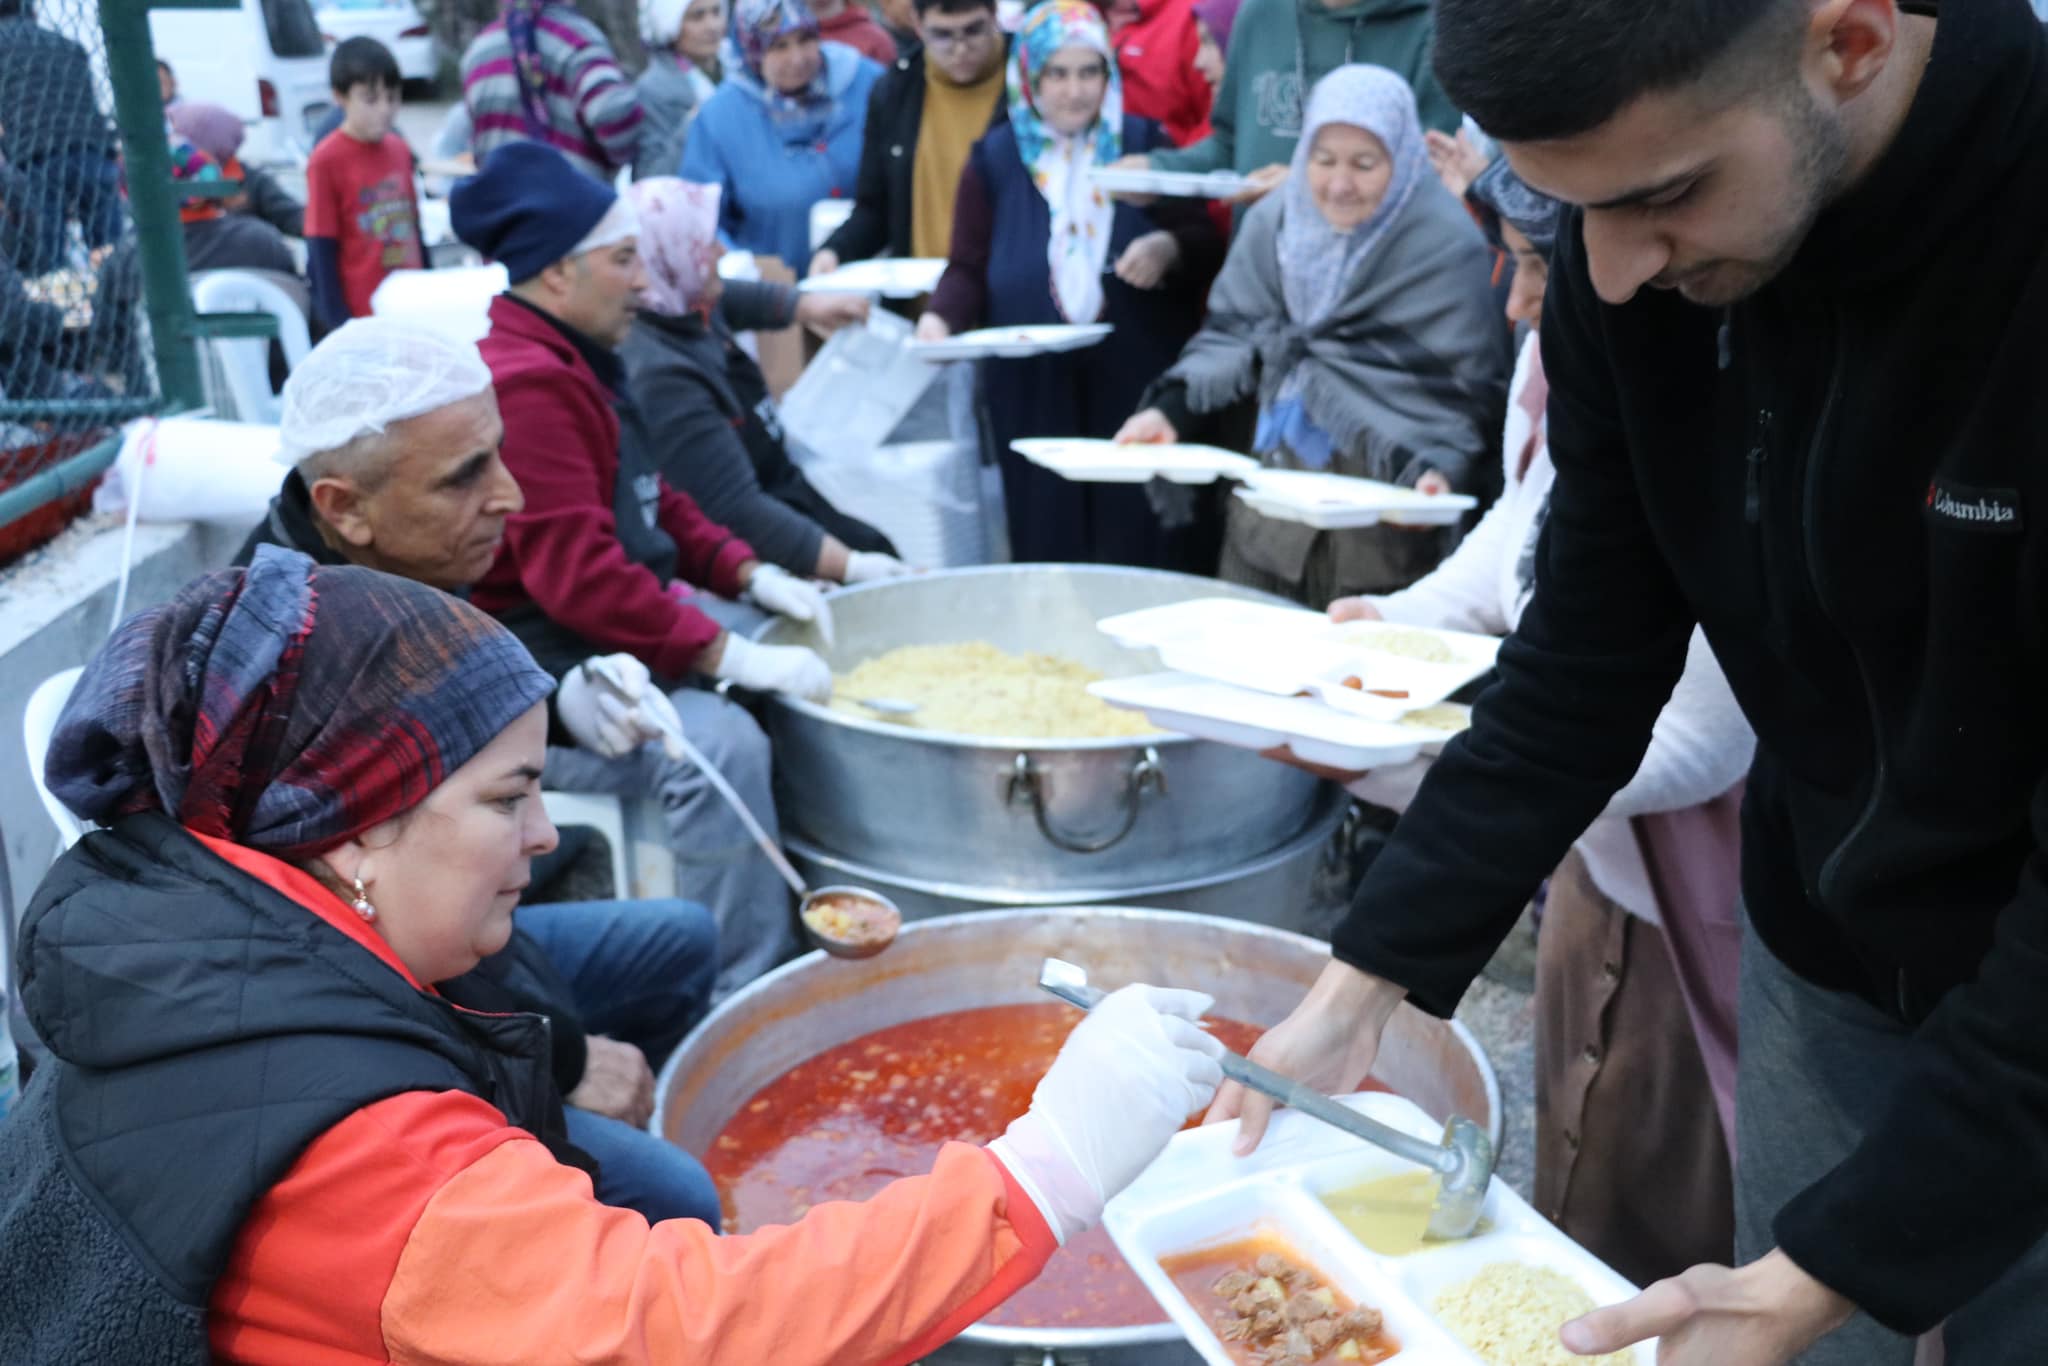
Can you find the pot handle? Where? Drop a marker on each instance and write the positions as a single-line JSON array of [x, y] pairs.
[[1025, 785]]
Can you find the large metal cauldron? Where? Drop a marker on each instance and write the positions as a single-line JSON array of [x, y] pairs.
[[991, 958], [1021, 815]]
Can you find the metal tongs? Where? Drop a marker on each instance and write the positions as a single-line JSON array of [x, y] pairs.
[[1463, 1161]]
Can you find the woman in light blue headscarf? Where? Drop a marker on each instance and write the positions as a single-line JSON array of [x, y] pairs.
[[1356, 308], [784, 131]]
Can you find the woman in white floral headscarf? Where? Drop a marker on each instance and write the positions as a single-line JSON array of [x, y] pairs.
[[1035, 241]]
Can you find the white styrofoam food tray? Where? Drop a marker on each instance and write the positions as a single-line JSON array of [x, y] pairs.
[[1338, 502], [1284, 651], [1243, 719], [1012, 343], [891, 277], [1198, 1194], [1090, 460], [1172, 184]]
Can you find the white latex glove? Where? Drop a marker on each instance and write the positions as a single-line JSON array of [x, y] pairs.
[[1125, 1082], [866, 566], [610, 704], [775, 589], [791, 669]]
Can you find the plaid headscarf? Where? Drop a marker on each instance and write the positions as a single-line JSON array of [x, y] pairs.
[[288, 707]]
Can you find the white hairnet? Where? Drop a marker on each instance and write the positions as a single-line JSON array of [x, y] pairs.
[[368, 374], [662, 20]]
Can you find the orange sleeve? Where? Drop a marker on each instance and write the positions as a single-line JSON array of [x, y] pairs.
[[513, 1259], [305, 1281]]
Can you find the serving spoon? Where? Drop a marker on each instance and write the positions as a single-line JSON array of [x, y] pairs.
[[1463, 1160], [889, 706], [807, 896]]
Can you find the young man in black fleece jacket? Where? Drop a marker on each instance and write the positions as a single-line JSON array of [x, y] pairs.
[[1822, 434]]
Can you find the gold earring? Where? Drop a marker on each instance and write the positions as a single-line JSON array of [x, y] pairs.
[[361, 905]]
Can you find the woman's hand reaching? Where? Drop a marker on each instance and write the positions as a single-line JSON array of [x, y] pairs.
[[1147, 428], [1148, 260]]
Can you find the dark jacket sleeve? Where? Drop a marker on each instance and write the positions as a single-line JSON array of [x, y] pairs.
[[962, 296], [702, 454], [323, 273], [273, 203], [758, 306], [1580, 686], [866, 230]]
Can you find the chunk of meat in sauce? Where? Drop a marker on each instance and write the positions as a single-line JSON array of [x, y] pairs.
[[1275, 1312]]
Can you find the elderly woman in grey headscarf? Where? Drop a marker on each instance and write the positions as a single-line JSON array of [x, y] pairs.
[[1356, 308]]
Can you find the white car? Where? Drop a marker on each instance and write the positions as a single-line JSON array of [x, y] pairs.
[[261, 59], [394, 23]]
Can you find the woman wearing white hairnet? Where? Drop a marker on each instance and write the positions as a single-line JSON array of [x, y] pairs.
[[683, 70]]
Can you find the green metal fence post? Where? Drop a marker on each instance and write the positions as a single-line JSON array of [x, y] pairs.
[[131, 68]]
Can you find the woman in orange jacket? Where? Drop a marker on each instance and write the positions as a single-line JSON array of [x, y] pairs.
[[263, 1136]]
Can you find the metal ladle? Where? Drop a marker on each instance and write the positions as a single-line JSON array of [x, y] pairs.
[[1463, 1161], [807, 896]]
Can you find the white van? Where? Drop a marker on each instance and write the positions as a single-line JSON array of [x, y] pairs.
[[266, 61]]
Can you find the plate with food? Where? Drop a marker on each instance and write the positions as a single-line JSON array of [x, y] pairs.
[[892, 277], [1090, 460], [1012, 343], [1314, 1251], [1189, 704], [1169, 184]]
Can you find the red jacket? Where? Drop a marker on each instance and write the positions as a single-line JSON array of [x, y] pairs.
[[1156, 55], [856, 28], [562, 551], [425, 1228]]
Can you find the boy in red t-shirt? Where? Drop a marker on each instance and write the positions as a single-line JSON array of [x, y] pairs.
[[362, 220]]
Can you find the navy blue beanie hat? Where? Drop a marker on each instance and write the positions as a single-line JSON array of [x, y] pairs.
[[527, 208]]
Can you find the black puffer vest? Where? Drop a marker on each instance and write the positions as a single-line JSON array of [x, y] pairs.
[[204, 1030]]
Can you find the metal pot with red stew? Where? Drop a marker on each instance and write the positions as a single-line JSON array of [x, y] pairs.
[[857, 1116]]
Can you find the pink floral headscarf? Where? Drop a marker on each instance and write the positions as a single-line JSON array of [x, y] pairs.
[[678, 242]]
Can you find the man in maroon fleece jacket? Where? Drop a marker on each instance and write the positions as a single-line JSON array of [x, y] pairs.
[[603, 556]]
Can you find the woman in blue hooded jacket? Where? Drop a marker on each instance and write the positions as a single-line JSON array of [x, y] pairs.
[[784, 131]]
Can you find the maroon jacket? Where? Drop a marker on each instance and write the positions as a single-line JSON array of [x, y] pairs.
[[563, 554]]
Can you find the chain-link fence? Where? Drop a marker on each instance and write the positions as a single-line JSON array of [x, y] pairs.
[[75, 357]]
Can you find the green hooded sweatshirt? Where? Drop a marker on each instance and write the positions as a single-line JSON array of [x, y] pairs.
[[1279, 49]]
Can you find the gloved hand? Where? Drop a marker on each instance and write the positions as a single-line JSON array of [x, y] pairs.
[[866, 566], [791, 669], [1126, 1080], [774, 589], [610, 705]]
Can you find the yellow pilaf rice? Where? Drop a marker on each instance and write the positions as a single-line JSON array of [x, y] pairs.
[[1406, 642], [1443, 716], [973, 688], [1510, 1313]]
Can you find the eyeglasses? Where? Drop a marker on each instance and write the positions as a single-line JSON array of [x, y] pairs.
[[936, 38]]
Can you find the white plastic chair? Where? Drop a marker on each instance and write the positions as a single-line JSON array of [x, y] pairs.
[[38, 725], [241, 365], [605, 815]]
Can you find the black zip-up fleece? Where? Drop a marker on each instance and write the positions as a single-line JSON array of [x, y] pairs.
[[1844, 480]]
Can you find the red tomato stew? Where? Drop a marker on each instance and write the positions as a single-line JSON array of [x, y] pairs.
[[848, 1121]]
